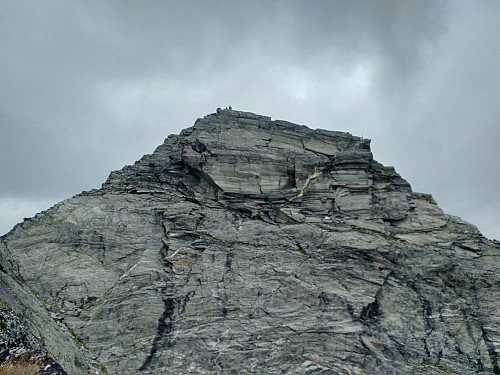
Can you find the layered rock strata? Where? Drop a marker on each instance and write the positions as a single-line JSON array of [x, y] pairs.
[[251, 246]]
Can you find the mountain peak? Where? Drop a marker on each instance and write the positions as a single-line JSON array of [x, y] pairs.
[[251, 245], [241, 158]]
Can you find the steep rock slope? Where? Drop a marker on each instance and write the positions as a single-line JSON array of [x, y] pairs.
[[246, 245]]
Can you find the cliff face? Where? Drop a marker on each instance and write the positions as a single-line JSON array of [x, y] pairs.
[[245, 245]]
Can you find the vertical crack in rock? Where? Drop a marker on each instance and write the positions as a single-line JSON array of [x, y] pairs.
[[370, 311], [163, 335], [173, 308], [491, 352]]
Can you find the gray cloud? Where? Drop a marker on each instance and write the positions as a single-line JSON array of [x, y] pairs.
[[90, 86]]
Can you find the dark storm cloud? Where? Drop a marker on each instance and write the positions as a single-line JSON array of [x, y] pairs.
[[89, 86]]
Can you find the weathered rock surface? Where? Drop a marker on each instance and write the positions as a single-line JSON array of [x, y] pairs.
[[17, 342], [251, 246]]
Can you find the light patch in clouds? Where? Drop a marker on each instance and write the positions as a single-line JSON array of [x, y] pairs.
[[351, 86], [298, 84], [129, 100]]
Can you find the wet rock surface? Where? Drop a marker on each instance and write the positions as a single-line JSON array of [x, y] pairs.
[[246, 245]]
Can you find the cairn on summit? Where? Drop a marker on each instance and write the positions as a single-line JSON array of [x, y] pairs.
[[246, 245]]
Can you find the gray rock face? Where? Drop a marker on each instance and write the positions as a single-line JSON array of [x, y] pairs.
[[251, 246]]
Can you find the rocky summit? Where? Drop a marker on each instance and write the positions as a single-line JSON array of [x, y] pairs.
[[246, 245]]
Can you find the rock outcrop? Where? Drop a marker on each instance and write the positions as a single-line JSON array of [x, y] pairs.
[[251, 246], [17, 342]]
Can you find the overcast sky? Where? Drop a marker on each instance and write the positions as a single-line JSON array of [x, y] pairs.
[[89, 86]]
